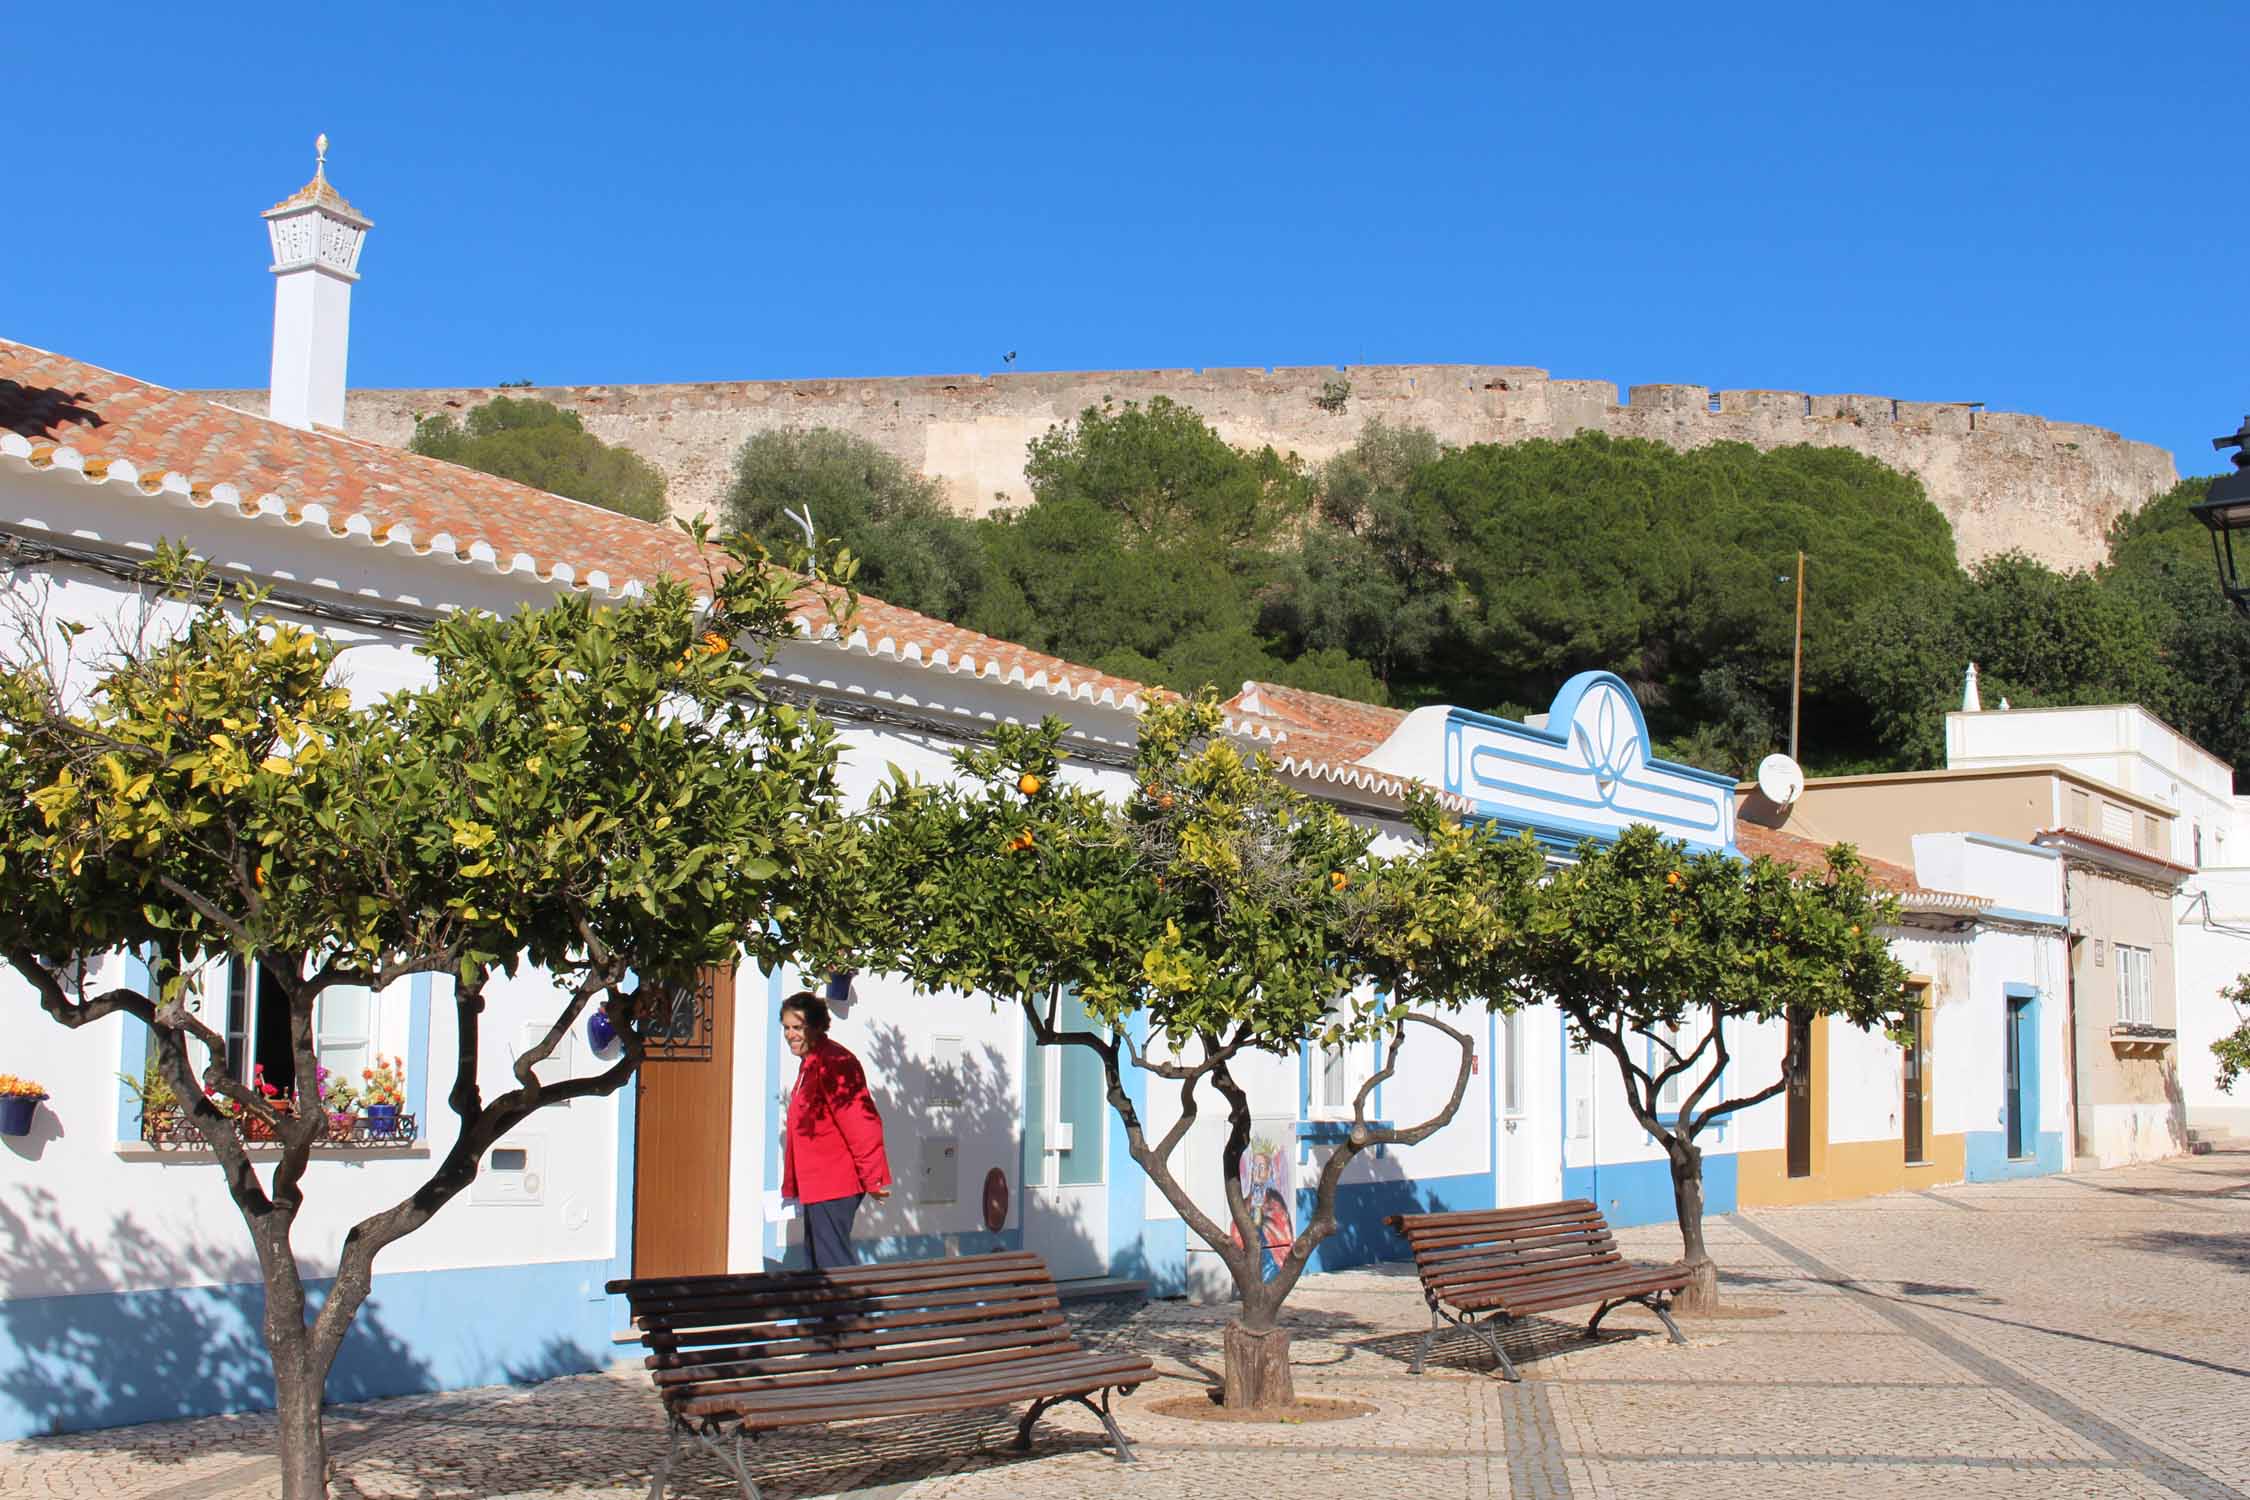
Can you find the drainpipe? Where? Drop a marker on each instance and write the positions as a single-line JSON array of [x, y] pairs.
[[2071, 940]]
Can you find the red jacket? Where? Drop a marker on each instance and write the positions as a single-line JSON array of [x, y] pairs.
[[832, 1141]]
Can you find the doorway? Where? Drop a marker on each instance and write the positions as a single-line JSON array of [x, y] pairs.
[[1801, 1099], [683, 1126], [2021, 1051], [1917, 1061], [1065, 1119]]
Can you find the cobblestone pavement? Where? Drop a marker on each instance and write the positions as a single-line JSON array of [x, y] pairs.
[[2082, 1335]]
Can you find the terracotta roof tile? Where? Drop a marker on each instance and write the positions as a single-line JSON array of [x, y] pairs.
[[1810, 855], [57, 410]]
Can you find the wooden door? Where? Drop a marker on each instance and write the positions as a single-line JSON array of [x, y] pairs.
[[1800, 1092], [682, 1138]]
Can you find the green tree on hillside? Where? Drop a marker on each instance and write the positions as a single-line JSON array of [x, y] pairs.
[[539, 444], [1146, 551], [912, 550]]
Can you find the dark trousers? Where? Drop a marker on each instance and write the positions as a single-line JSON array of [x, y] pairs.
[[828, 1231]]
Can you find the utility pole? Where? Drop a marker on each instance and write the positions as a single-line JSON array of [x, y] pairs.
[[1797, 658]]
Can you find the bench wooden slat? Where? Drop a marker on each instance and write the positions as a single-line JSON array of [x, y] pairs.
[[851, 1366], [801, 1348], [1538, 1296], [841, 1318], [882, 1346], [1531, 1258], [909, 1396], [1005, 1263]]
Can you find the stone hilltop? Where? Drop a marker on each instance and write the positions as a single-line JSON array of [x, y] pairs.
[[2005, 480]]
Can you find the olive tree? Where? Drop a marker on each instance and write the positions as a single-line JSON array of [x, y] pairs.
[[1215, 913], [601, 790]]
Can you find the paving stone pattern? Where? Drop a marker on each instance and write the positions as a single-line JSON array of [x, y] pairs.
[[2085, 1335]]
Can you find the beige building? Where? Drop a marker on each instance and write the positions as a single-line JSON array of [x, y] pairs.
[[2121, 1066]]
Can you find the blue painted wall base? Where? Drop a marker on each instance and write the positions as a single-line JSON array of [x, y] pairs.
[[1986, 1159], [108, 1359], [1640, 1192]]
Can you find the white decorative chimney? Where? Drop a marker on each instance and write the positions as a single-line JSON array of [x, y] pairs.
[[1972, 701], [316, 242]]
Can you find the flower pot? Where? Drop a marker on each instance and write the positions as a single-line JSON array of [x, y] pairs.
[[382, 1119], [341, 1122], [159, 1124], [16, 1111]]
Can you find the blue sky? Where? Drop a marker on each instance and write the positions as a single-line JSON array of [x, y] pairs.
[[2040, 207]]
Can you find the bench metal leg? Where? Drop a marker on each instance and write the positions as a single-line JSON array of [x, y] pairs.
[[1654, 1304], [712, 1436], [1439, 1317], [664, 1469], [1422, 1349], [1116, 1437]]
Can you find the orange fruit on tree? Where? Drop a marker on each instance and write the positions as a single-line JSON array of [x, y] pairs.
[[1028, 784]]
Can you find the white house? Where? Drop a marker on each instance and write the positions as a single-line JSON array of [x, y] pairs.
[[2127, 747], [127, 1289]]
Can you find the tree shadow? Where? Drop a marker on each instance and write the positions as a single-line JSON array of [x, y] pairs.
[[1528, 1341], [2230, 1251], [80, 1355], [41, 411]]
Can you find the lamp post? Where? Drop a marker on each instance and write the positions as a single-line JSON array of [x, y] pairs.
[[2226, 511]]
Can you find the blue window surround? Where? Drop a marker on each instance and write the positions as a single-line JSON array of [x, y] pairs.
[[132, 1054]]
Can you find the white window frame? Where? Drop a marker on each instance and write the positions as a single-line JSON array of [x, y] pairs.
[[1513, 1105], [2136, 979], [1336, 1074]]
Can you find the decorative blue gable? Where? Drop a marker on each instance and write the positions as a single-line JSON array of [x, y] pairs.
[[1586, 774]]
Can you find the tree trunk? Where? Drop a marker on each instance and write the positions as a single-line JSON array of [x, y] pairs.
[[1702, 1294], [298, 1392], [1258, 1368]]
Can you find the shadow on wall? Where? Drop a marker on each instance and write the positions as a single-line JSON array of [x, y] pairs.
[[75, 1355], [927, 1102]]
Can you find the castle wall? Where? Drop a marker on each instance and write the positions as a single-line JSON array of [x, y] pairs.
[[2004, 479]]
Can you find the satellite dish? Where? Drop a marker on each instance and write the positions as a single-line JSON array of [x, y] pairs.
[[1781, 780]]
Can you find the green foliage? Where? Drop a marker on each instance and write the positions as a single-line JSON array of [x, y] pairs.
[[1225, 909], [1145, 550], [2233, 1049], [912, 551], [540, 444]]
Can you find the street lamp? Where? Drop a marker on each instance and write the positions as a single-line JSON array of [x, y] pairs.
[[2227, 511]]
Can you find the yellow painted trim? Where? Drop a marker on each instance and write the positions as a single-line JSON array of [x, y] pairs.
[[1854, 1169]]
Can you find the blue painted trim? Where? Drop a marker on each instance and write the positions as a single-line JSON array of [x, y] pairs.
[[1565, 708], [1985, 1156], [1362, 1237], [1311, 1133], [623, 1208], [873, 1249], [1564, 835], [2017, 990], [1994, 841], [1640, 1192], [108, 1359], [1304, 1079], [1138, 1248], [418, 1052], [1375, 1102], [2037, 918], [132, 1049], [2026, 996], [772, 1238]]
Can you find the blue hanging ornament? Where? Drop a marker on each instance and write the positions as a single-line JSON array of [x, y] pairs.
[[601, 1031]]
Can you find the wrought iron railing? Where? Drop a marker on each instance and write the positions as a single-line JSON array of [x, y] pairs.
[[173, 1131]]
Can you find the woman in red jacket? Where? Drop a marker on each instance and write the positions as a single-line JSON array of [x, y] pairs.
[[832, 1143]]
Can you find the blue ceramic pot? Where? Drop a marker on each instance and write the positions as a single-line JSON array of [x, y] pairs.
[[16, 1111]]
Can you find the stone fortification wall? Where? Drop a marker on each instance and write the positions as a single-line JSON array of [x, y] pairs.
[[2005, 480]]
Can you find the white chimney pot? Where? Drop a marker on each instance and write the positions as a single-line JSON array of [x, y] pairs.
[[317, 237]]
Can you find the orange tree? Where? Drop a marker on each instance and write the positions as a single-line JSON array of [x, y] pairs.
[[601, 790], [1215, 913], [1653, 952]]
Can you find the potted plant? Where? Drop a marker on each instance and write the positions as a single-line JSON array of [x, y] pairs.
[[19, 1098], [381, 1094], [160, 1106], [340, 1100]]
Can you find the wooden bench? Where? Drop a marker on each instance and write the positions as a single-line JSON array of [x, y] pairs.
[[743, 1355], [1510, 1262]]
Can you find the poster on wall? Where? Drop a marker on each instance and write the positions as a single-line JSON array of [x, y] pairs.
[[1269, 1185]]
